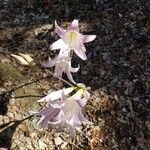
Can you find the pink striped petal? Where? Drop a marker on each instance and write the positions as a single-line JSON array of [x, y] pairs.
[[58, 30], [49, 117], [69, 75], [43, 112], [74, 25], [87, 38], [81, 52], [48, 64]]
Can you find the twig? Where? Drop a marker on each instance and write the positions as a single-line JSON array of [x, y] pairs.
[[28, 96]]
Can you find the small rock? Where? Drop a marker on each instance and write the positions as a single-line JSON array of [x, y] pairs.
[[63, 146], [21, 148], [124, 109], [13, 146], [42, 145], [120, 15], [58, 141], [6, 119], [97, 100], [35, 125], [116, 97], [18, 117], [1, 120], [35, 144], [21, 137], [23, 127], [29, 144], [47, 26], [10, 115], [33, 135], [147, 123]]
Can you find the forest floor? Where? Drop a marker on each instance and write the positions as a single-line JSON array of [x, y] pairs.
[[116, 70]]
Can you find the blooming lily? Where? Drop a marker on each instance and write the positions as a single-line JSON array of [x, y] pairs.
[[62, 64], [64, 111], [73, 39]]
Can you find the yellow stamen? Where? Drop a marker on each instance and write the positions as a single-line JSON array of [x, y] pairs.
[[81, 91], [73, 36]]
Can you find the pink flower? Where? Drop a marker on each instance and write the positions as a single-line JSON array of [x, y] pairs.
[[64, 111], [62, 64], [73, 39]]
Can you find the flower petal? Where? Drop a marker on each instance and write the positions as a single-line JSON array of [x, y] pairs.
[[69, 75], [43, 112], [56, 95], [86, 94], [64, 54], [87, 38], [59, 44], [82, 118], [82, 102], [74, 121], [49, 117], [75, 43], [75, 69], [81, 52], [76, 96], [58, 71], [74, 25], [58, 104], [48, 64], [58, 30]]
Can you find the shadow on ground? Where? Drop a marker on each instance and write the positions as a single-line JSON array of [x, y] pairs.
[[7, 132]]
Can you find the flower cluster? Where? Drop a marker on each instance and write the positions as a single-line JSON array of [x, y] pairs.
[[70, 40], [64, 111], [65, 106]]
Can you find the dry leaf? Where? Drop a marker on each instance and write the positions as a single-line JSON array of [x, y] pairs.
[[27, 57], [23, 59]]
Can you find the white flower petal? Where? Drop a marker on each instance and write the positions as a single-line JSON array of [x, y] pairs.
[[76, 96], [82, 102], [75, 69], [81, 52], [48, 64], [69, 75], [56, 95], [87, 38], [59, 44]]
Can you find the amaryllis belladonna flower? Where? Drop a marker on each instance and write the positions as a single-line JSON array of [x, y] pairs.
[[64, 111], [62, 64], [73, 39]]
